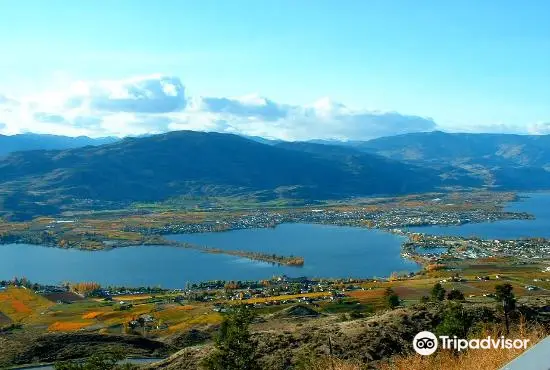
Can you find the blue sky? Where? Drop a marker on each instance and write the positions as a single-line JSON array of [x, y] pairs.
[[466, 65]]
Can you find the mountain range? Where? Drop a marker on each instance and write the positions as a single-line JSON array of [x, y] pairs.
[[517, 162], [160, 167], [196, 163], [20, 142]]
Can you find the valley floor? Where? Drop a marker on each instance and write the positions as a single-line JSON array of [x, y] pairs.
[[45, 324], [159, 323]]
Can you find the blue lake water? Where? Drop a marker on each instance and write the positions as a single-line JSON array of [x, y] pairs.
[[329, 251], [537, 204]]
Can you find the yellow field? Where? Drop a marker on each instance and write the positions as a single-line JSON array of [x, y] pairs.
[[365, 295], [67, 326], [286, 297], [175, 313], [119, 317], [204, 319], [91, 315], [131, 297], [19, 304]]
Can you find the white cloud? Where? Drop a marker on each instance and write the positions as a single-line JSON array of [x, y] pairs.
[[48, 117], [257, 116], [157, 103], [253, 106], [152, 94], [539, 128]]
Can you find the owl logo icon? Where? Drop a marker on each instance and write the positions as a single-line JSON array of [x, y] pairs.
[[425, 343]]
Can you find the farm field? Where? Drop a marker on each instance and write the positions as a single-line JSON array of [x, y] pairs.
[[285, 297], [68, 312], [170, 317], [21, 305]]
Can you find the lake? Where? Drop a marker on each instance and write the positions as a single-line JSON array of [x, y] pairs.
[[537, 204], [329, 251]]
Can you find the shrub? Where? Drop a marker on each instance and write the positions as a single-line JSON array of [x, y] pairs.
[[455, 295]]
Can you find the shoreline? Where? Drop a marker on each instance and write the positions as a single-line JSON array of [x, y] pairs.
[[150, 236]]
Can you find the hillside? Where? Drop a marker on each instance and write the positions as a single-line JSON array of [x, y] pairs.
[[487, 148], [159, 167], [187, 163], [15, 143], [356, 160], [368, 342], [519, 162]]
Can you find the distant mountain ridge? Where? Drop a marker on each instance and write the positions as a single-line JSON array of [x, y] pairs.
[[520, 162], [425, 146], [23, 142]]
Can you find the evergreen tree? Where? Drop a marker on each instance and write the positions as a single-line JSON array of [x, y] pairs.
[[235, 349], [505, 296], [456, 321], [391, 298], [438, 292]]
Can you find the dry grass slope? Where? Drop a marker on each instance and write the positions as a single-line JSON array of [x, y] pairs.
[[473, 359], [334, 364]]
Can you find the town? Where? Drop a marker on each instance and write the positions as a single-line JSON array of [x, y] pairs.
[[470, 248]]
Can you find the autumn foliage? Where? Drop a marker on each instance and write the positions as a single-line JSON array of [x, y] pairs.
[[435, 267], [84, 287]]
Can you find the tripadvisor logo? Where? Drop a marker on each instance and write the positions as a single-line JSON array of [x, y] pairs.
[[425, 343]]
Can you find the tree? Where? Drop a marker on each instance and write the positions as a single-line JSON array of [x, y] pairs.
[[438, 292], [391, 298], [455, 295], [505, 296], [234, 348], [455, 321], [504, 293]]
